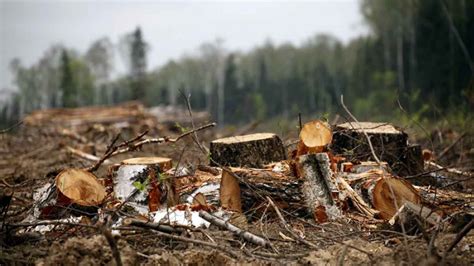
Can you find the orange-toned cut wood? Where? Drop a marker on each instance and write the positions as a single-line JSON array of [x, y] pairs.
[[230, 192], [389, 194], [314, 137], [81, 187]]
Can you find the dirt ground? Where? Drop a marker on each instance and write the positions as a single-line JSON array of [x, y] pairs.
[[32, 156]]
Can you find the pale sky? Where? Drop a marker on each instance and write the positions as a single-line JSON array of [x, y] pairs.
[[172, 28]]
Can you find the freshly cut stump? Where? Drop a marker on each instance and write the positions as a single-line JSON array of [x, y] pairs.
[[73, 192], [81, 187], [140, 180], [254, 150], [390, 145], [314, 137]]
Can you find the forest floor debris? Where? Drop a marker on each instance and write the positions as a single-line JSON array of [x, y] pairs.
[[276, 218]]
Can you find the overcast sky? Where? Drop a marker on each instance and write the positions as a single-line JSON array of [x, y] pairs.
[[171, 28]]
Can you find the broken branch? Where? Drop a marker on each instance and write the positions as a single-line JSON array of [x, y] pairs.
[[234, 229]]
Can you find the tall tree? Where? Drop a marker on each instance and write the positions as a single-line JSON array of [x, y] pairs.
[[135, 53], [68, 88]]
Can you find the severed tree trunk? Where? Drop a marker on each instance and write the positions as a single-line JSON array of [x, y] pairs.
[[141, 180], [255, 185], [75, 191], [318, 186], [254, 150], [389, 143]]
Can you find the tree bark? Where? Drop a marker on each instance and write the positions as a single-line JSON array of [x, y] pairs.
[[256, 185], [147, 172], [318, 186], [389, 143], [254, 150]]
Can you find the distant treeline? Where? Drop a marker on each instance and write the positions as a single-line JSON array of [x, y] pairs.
[[417, 59]]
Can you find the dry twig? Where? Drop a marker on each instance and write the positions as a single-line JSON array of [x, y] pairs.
[[234, 229]]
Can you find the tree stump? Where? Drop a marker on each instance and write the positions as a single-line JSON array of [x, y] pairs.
[[318, 186], [75, 191], [389, 143], [141, 180], [81, 187], [254, 150]]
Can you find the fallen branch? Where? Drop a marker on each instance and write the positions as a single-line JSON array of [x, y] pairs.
[[445, 151], [450, 170], [85, 155], [234, 229], [160, 140], [359, 203], [157, 227]]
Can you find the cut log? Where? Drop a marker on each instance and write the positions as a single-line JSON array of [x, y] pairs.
[[383, 192], [253, 150], [389, 143], [314, 137], [127, 112], [318, 186], [142, 181], [81, 187], [252, 238], [406, 218], [256, 184]]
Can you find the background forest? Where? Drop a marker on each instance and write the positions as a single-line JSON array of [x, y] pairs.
[[416, 62]]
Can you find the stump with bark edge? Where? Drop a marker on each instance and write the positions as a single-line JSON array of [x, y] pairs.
[[81, 187], [389, 143], [254, 150], [74, 191], [145, 170]]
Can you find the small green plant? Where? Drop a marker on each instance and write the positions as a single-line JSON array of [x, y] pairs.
[[181, 128], [141, 186]]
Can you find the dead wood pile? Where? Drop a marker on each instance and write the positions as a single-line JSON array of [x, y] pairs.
[[125, 113]]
